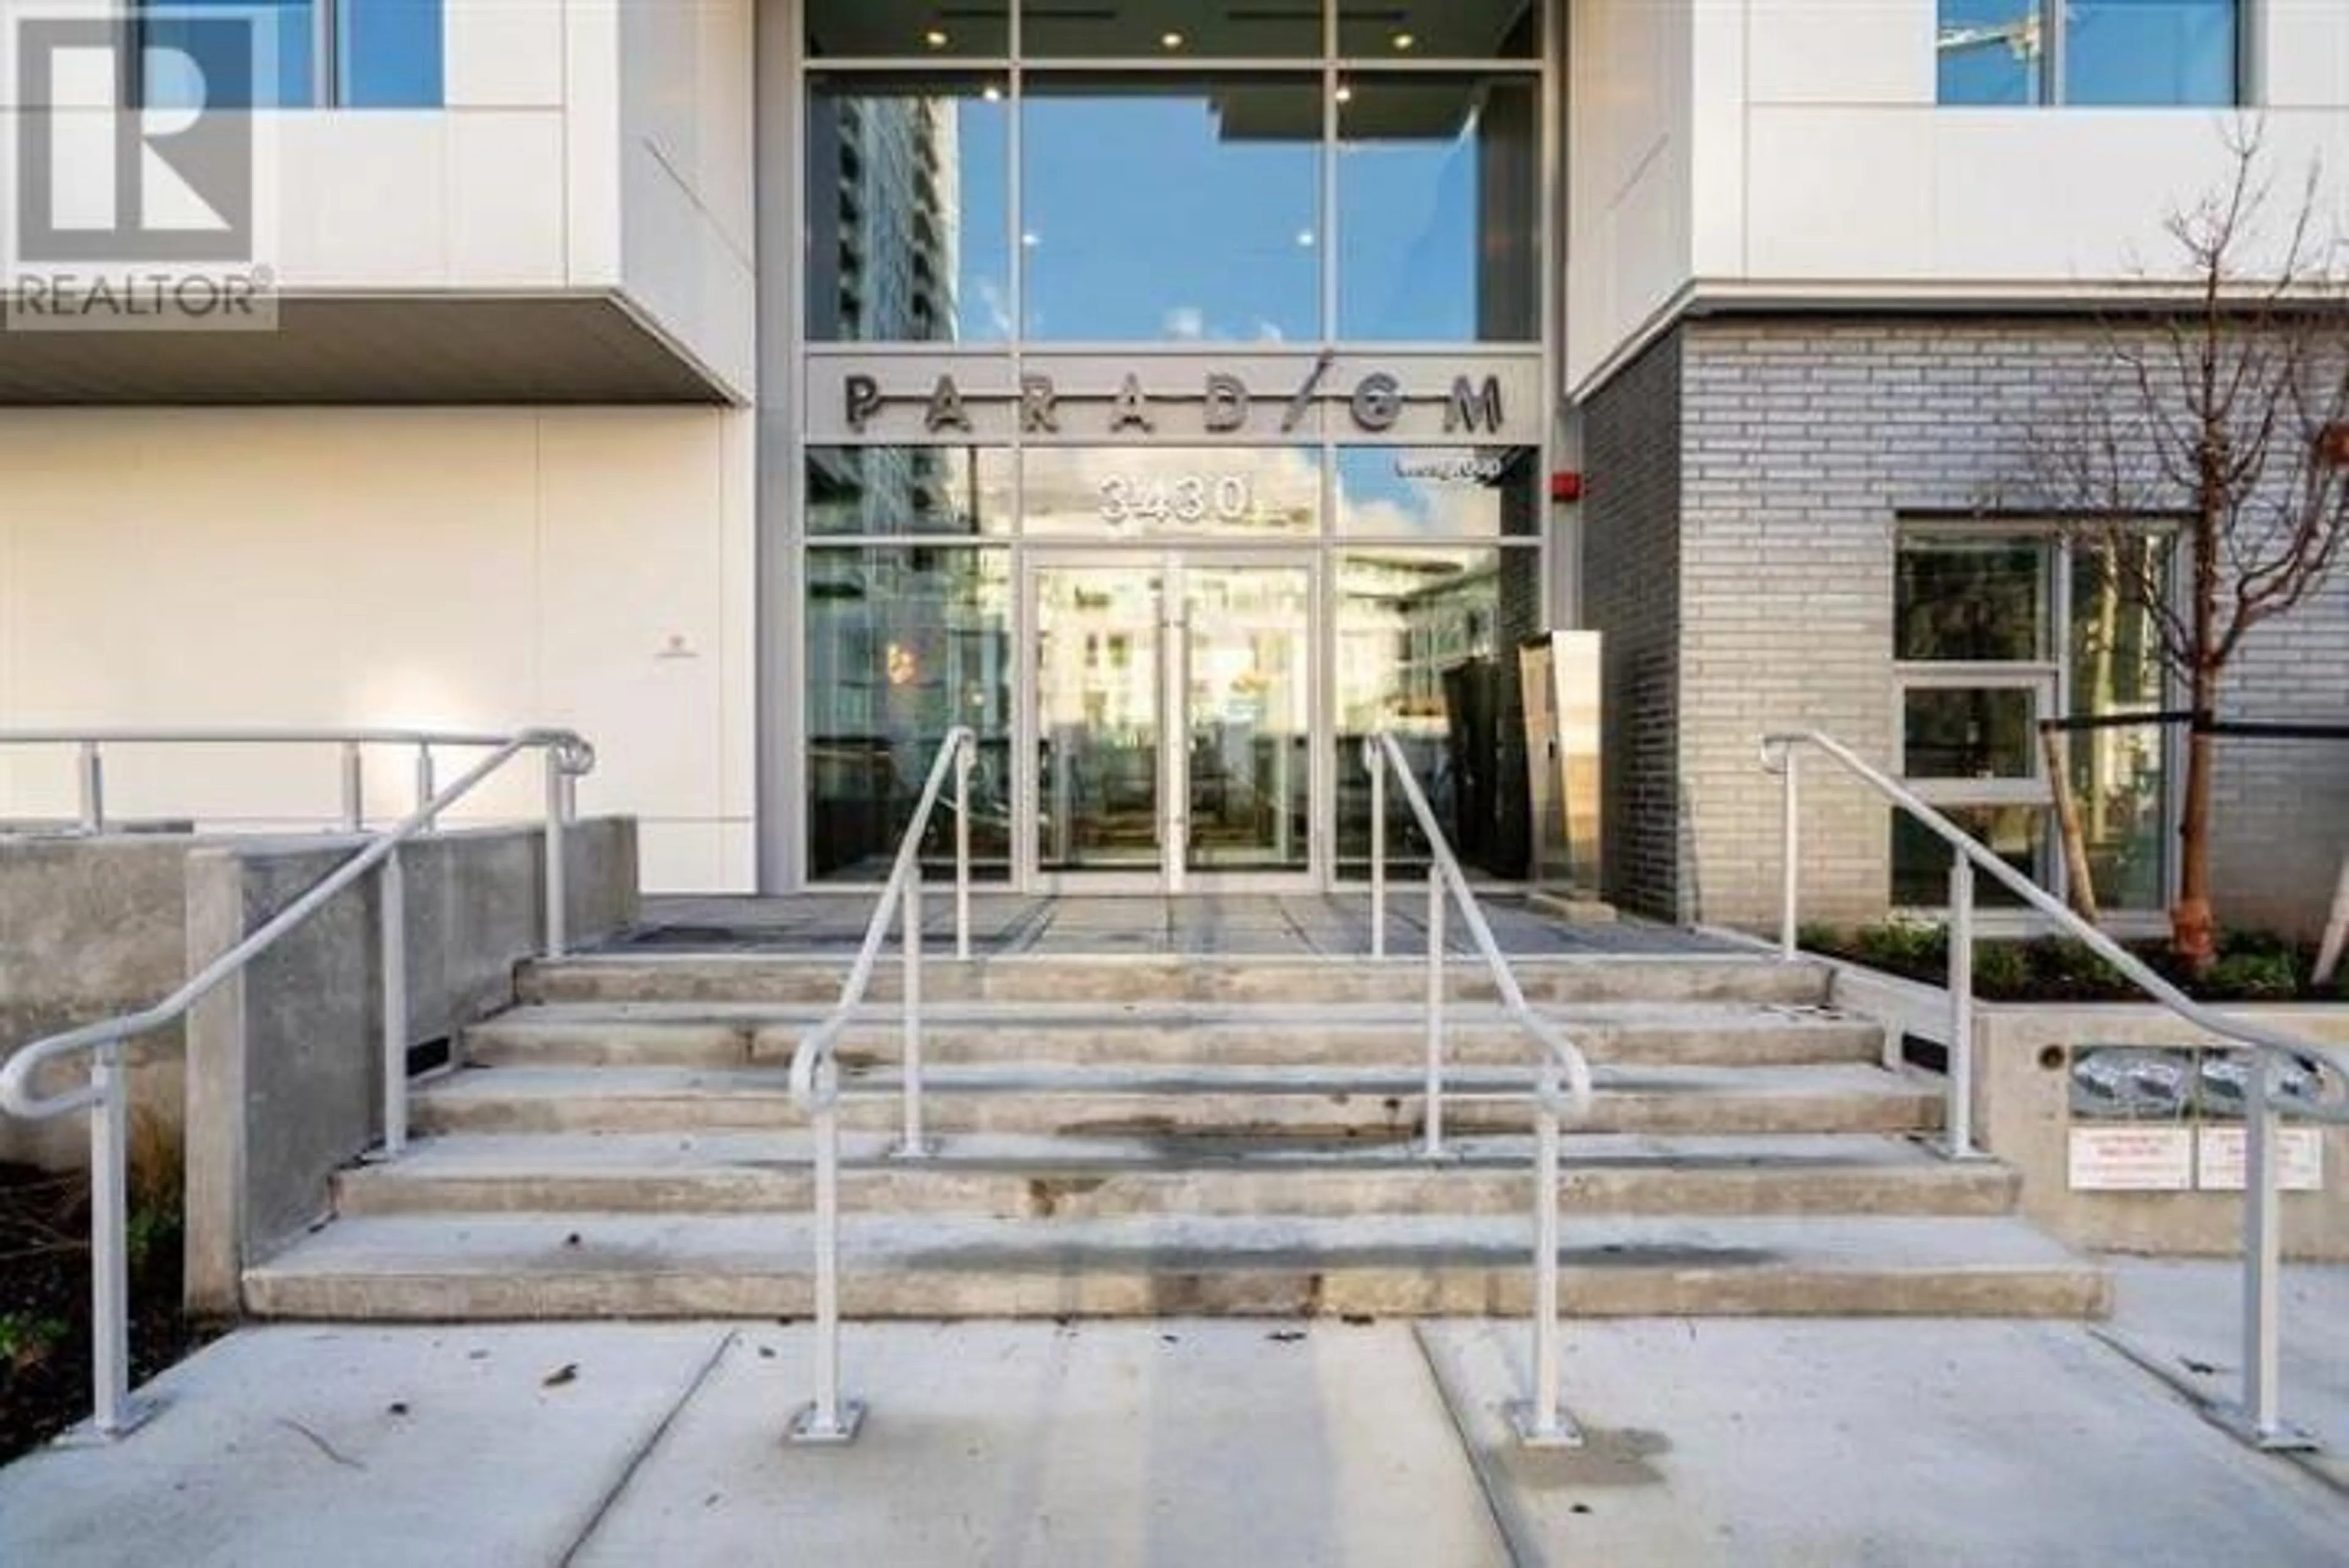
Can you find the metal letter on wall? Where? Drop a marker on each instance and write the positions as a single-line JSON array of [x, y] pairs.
[[1039, 406], [946, 411], [861, 401], [1377, 402], [1133, 408], [1469, 407], [1227, 404]]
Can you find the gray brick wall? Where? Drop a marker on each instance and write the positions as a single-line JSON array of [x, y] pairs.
[[1799, 443], [1631, 593]]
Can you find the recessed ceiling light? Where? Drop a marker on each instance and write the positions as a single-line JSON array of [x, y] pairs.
[[937, 38], [991, 93], [1172, 40], [1405, 42], [1345, 93]]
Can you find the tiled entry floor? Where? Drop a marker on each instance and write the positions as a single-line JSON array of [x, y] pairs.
[[1271, 925]]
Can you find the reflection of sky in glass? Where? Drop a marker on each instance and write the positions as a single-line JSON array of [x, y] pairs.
[[1146, 223], [1986, 55], [2150, 52], [1407, 492], [2117, 52], [983, 277], [1407, 235], [269, 68], [391, 54]]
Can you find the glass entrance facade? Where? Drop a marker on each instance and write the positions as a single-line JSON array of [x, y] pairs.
[[1176, 411]]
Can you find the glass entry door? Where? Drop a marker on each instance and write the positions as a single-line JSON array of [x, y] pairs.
[[1173, 721]]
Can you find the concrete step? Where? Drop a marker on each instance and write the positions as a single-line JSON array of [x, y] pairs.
[[748, 977], [1109, 1101], [1011, 1177], [440, 1269], [740, 1033]]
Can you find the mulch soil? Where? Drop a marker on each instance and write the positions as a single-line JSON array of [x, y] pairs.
[[45, 1341]]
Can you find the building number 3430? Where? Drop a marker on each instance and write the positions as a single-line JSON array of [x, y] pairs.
[[1192, 499]]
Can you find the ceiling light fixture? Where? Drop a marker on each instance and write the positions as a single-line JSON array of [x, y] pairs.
[[1172, 40], [1405, 42], [937, 38], [991, 93], [1345, 93]]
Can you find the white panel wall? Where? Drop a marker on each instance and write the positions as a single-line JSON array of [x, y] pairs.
[[687, 189], [1795, 152], [1629, 193], [586, 145], [461, 568]]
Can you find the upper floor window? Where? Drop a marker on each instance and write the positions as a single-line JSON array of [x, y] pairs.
[[294, 54], [2114, 53]]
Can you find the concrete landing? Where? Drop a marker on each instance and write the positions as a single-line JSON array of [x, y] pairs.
[[1292, 925], [1750, 1444]]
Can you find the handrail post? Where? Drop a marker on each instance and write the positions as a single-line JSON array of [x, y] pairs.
[[354, 789], [93, 790], [829, 1420], [110, 1242], [1539, 1422], [393, 912], [2263, 1261], [913, 1145], [963, 760], [557, 872], [1435, 1146], [425, 788], [1959, 1121], [1789, 862], [1375, 755]]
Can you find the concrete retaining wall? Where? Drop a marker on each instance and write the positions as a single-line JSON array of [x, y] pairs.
[[90, 929], [2022, 1114], [2022, 1072], [285, 1073]]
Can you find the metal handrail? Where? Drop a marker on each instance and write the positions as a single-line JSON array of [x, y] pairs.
[[2258, 1417], [92, 742], [105, 1095], [815, 1066], [1539, 1421]]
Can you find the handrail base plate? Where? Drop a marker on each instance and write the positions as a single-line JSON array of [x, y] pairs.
[[2278, 1439], [1521, 1420], [137, 1411], [804, 1431]]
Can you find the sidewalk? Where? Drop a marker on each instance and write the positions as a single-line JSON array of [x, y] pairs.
[[1729, 1442]]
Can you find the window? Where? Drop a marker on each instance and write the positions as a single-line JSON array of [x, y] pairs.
[[2110, 53], [1220, 242], [302, 54], [1438, 208], [909, 208], [1994, 632]]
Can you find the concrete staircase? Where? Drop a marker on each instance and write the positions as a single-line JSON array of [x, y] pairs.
[[1161, 1136]]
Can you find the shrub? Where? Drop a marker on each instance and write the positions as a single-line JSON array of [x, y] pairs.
[[1904, 946], [2255, 976], [2002, 968]]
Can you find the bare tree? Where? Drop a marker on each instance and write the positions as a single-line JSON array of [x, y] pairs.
[[2226, 420]]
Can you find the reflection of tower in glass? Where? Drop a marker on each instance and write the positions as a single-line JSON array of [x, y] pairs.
[[886, 242]]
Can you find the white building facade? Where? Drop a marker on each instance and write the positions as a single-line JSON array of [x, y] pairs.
[[1173, 394]]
